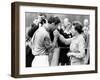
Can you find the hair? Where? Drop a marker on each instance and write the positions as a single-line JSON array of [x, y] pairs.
[[78, 26], [43, 21], [54, 20], [43, 14]]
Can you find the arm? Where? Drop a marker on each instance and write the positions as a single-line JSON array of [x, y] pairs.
[[64, 40], [61, 37]]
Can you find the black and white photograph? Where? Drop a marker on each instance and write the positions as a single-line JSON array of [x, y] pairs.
[[56, 39], [51, 39]]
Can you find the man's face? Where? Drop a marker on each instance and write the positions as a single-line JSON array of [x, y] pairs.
[[36, 21], [41, 17], [86, 22], [53, 27], [66, 21], [65, 24]]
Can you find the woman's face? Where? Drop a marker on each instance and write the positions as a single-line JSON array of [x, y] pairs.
[[39, 18], [73, 31]]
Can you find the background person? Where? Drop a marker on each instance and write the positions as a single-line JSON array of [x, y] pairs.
[[29, 35], [42, 18], [65, 31], [86, 37], [37, 22]]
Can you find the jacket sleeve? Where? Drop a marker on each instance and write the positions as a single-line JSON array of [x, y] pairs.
[[64, 40]]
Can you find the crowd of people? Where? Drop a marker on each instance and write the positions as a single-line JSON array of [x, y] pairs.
[[51, 42]]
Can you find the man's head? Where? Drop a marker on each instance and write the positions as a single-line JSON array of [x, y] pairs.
[[86, 22], [53, 23], [67, 24], [41, 16], [66, 21], [35, 21]]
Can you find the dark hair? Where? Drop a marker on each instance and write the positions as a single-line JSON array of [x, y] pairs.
[[43, 21], [78, 26], [54, 20], [43, 14]]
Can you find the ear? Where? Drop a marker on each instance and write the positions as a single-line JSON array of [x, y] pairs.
[[53, 24]]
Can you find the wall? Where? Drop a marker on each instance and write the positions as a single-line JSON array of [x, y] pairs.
[[5, 40]]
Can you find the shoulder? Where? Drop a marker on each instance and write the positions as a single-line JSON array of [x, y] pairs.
[[42, 32]]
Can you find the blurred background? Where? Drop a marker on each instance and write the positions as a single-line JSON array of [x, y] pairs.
[[30, 16]]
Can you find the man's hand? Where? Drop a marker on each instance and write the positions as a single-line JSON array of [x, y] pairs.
[[56, 34]]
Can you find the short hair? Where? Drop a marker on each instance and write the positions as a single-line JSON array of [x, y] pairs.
[[78, 26], [43, 21], [54, 20], [43, 14]]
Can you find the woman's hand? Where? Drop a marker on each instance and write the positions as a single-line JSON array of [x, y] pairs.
[[70, 54]]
